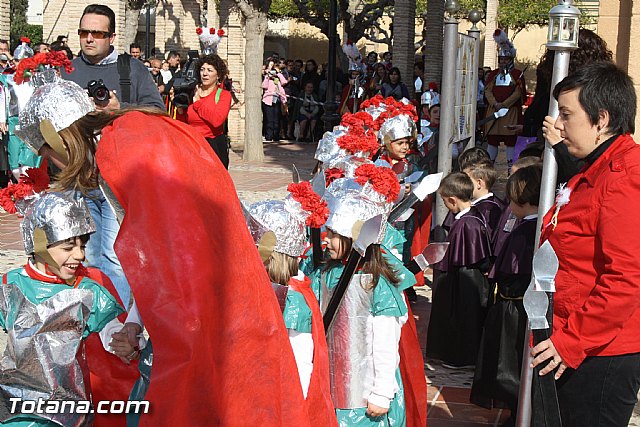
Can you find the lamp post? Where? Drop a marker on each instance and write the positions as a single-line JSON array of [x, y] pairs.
[[331, 116], [447, 98], [474, 17], [147, 25], [562, 38]]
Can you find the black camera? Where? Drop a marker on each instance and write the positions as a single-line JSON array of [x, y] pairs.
[[185, 82], [99, 92]]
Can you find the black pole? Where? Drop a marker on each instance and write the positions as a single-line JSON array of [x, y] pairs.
[[331, 117], [147, 48]]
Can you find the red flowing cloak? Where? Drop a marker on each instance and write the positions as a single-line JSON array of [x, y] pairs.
[[221, 350], [422, 227], [412, 372], [319, 403], [110, 377]]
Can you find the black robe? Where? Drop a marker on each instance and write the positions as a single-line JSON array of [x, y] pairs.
[[497, 377], [460, 295], [491, 210]]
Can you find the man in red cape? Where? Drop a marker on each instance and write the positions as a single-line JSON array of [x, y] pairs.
[[221, 352]]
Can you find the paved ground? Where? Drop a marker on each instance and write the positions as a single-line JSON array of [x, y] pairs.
[[448, 390]]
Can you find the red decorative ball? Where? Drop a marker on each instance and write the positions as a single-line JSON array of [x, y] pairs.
[[212, 30], [198, 31]]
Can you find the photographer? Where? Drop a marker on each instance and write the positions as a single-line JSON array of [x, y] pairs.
[[211, 104], [273, 97], [127, 79]]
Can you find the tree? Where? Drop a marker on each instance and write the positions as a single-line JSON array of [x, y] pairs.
[[19, 26], [254, 13], [404, 25], [434, 27], [132, 10]]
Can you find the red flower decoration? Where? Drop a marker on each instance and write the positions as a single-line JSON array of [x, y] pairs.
[[331, 174], [220, 32], [395, 108], [372, 102], [25, 40], [361, 118], [198, 31], [33, 181], [383, 180], [357, 140], [212, 30], [433, 86], [28, 66], [311, 202]]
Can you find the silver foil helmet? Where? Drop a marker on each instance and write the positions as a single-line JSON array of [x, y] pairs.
[[61, 103], [397, 127], [286, 219], [23, 51], [350, 202], [60, 215]]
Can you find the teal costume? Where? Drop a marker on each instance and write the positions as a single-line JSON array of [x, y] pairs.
[[48, 333], [387, 301], [297, 314], [19, 153]]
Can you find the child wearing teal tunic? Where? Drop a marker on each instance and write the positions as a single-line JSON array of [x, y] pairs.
[[387, 314]]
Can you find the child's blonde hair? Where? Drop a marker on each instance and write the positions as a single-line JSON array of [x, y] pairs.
[[281, 267]]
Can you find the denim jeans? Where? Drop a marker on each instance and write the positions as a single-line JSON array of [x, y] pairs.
[[99, 251], [602, 392]]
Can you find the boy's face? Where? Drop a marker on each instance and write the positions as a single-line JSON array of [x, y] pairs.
[[335, 245], [165, 66], [67, 254], [520, 211], [399, 148]]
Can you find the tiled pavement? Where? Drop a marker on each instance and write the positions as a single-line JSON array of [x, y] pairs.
[[448, 390]]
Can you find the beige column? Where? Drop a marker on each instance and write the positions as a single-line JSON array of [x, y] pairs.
[[213, 17], [4, 19], [62, 17], [176, 24], [490, 55], [619, 26], [231, 49]]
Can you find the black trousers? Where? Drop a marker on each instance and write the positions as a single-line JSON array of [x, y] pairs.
[[220, 146], [601, 392], [272, 117]]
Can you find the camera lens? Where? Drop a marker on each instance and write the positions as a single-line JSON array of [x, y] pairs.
[[101, 94]]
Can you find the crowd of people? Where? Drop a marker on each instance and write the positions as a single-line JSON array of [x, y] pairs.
[[160, 282]]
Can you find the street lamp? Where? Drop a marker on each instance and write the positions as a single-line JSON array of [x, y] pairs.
[[564, 26], [331, 117], [474, 17], [562, 38]]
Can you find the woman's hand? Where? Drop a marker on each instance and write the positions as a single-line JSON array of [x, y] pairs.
[[375, 410], [550, 132], [547, 351]]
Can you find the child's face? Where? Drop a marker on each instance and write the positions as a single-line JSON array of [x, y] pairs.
[[399, 148], [68, 254], [520, 211], [165, 66], [308, 89], [434, 114], [335, 245]]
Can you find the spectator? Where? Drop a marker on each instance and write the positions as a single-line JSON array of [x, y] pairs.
[[372, 60], [395, 88], [311, 75], [57, 46], [418, 74], [308, 113], [99, 60], [273, 97], [5, 54], [135, 50], [379, 78], [41, 47], [156, 76], [62, 40], [166, 72], [211, 104], [299, 65], [386, 60], [173, 58]]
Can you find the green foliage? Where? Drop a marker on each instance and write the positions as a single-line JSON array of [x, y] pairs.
[[281, 9], [520, 14], [19, 27]]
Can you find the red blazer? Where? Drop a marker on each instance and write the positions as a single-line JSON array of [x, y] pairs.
[[207, 116], [596, 308]]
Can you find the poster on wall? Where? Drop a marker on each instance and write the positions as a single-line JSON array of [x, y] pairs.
[[466, 78]]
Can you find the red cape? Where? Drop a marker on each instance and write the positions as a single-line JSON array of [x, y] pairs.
[[110, 378], [412, 372], [221, 350], [422, 227], [319, 403]]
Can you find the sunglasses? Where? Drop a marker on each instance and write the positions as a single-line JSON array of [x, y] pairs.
[[96, 34]]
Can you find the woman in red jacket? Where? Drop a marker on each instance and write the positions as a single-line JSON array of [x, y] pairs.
[[211, 105], [594, 350]]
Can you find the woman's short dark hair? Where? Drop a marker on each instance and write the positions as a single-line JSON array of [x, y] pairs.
[[216, 62], [396, 70], [457, 184], [524, 185], [604, 87]]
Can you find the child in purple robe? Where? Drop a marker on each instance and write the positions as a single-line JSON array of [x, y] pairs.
[[484, 175], [497, 375], [461, 290]]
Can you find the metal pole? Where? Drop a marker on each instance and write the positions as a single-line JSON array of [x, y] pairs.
[[331, 116], [475, 33], [547, 198], [147, 36], [447, 102]]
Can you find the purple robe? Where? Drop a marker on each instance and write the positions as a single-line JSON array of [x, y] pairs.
[[491, 210]]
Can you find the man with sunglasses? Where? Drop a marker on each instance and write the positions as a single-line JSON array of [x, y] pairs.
[[99, 61]]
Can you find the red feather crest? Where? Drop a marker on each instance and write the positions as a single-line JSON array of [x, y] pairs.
[[33, 181], [28, 66], [303, 193], [383, 180]]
